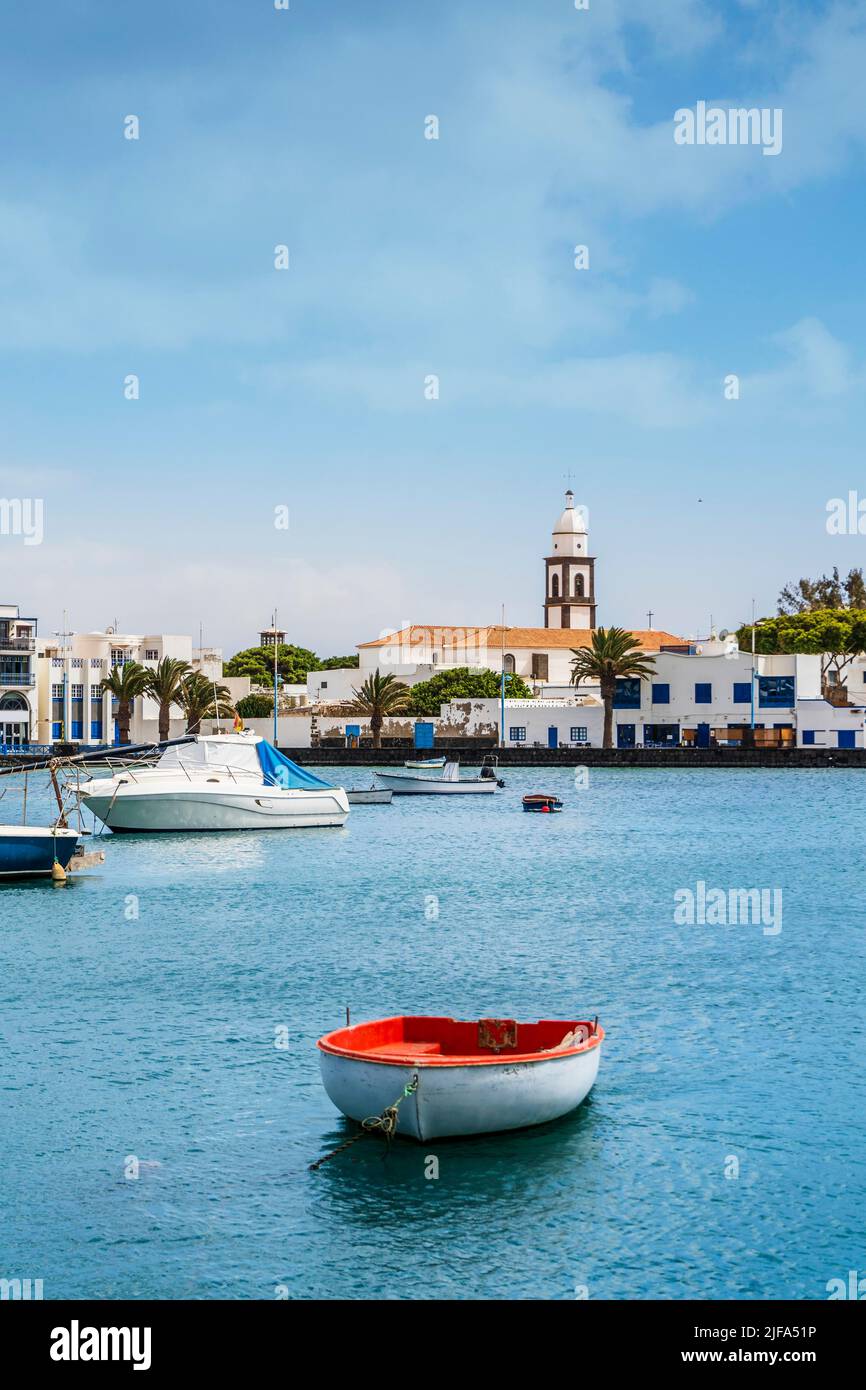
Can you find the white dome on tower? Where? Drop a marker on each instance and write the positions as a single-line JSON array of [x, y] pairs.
[[573, 520]]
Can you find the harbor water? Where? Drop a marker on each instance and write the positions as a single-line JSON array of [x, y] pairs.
[[161, 1100]]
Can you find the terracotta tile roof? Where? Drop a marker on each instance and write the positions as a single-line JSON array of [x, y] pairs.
[[536, 638]]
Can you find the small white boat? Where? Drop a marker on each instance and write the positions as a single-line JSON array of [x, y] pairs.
[[218, 782], [423, 763], [420, 784], [369, 796], [454, 1078]]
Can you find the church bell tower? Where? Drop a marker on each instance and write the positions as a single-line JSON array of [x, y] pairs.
[[569, 599]]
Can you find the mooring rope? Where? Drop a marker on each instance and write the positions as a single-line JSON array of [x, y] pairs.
[[384, 1124]]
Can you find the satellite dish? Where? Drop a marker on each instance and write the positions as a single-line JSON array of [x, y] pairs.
[[723, 634]]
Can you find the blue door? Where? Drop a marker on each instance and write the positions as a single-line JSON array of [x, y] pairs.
[[353, 735], [625, 735], [423, 735], [846, 738], [552, 736], [702, 739]]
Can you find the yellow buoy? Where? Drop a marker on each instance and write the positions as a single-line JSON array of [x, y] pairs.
[[58, 873]]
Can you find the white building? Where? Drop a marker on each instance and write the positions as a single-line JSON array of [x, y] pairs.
[[542, 656], [700, 696], [75, 707], [19, 693]]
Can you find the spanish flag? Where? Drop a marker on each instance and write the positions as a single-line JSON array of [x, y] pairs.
[[239, 724]]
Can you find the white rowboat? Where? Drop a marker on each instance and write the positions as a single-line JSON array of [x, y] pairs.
[[453, 1078]]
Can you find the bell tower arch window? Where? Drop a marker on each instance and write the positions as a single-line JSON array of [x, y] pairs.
[[554, 586], [578, 586]]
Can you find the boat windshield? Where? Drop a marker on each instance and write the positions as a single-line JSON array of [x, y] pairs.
[[212, 753], [256, 758]]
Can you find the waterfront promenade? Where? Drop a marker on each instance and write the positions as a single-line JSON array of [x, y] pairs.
[[674, 758]]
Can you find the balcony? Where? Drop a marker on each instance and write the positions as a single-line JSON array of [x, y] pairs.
[[17, 644], [20, 680]]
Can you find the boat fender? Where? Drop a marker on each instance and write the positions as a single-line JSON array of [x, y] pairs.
[[575, 1038]]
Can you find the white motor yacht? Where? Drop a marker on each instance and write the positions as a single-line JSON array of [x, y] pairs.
[[217, 782]]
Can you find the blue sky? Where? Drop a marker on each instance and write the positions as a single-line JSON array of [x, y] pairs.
[[304, 388]]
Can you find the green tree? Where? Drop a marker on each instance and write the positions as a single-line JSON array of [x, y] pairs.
[[807, 595], [293, 664], [126, 683], [201, 699], [336, 663], [255, 706], [164, 685], [379, 697], [459, 683], [837, 635], [614, 655]]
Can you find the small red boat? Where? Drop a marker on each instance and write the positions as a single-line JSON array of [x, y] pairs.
[[456, 1078], [541, 801]]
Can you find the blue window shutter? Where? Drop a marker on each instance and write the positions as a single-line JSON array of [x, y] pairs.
[[661, 693], [703, 693], [808, 735], [742, 692], [846, 738]]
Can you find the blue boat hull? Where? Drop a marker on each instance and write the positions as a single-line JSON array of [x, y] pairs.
[[26, 855]]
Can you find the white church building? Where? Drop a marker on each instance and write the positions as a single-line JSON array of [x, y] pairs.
[[542, 656], [702, 692]]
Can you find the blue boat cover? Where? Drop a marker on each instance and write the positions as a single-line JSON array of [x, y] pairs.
[[279, 771]]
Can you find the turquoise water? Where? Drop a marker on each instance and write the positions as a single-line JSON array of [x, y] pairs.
[[155, 1037]]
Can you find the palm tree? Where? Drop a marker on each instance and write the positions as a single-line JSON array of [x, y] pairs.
[[126, 683], [380, 696], [201, 699], [613, 655], [164, 685]]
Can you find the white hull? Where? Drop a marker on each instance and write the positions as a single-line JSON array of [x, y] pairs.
[[405, 785], [461, 1100], [143, 809], [369, 796]]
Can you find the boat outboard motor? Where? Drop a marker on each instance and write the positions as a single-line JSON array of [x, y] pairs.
[[488, 774]]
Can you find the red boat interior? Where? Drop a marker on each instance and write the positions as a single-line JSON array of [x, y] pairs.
[[446, 1040]]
